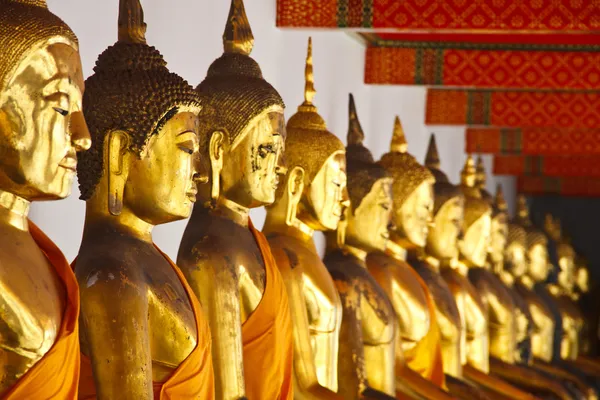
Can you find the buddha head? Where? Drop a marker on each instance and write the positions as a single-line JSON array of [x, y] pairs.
[[242, 125], [314, 189], [144, 124], [41, 88], [515, 254], [447, 210], [370, 191], [412, 191], [582, 275], [477, 220], [499, 233], [561, 253], [537, 242]]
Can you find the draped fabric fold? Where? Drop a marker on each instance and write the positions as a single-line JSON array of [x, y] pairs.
[[55, 376]]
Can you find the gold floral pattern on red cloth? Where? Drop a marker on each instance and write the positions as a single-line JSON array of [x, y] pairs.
[[499, 108]]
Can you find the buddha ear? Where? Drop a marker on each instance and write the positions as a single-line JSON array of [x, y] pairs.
[[295, 187], [117, 169], [216, 149]]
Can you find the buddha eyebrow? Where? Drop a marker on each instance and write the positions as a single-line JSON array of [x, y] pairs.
[[185, 132]]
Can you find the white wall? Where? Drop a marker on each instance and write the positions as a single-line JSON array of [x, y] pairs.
[[188, 33]]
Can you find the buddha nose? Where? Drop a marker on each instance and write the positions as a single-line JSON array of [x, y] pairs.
[[80, 134]]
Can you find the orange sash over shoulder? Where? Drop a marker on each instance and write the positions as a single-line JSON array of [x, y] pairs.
[[426, 357], [55, 376], [193, 379], [267, 337]]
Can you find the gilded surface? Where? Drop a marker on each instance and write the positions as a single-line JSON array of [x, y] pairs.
[[41, 128], [310, 198], [140, 172], [367, 337], [441, 247], [242, 142]]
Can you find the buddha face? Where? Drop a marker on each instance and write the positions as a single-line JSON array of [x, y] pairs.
[[516, 259], [250, 174], [160, 186], [583, 279], [367, 227], [41, 124], [413, 218], [538, 262], [475, 243], [499, 238], [327, 194], [443, 237], [566, 273]]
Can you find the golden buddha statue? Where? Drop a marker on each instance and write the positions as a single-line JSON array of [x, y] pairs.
[[563, 289], [310, 198], [227, 262], [509, 359], [419, 334], [441, 249], [143, 333], [367, 354], [474, 304], [528, 256], [41, 129]]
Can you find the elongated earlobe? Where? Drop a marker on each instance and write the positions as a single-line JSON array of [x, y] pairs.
[[115, 167], [295, 187], [216, 165]]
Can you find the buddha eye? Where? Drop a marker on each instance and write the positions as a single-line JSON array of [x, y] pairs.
[[337, 184], [187, 147], [61, 111], [385, 206], [265, 149]]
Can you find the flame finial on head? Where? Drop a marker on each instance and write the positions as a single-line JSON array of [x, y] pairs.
[[432, 159], [309, 80], [500, 201], [132, 28], [522, 210], [238, 37], [481, 178], [468, 173], [356, 136], [399, 143]]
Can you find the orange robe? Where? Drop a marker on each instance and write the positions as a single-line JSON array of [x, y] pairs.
[[426, 357], [193, 378], [56, 374], [267, 336]]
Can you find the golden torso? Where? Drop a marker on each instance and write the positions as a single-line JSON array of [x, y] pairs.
[[448, 316], [368, 317], [397, 279], [320, 297], [224, 266], [32, 299], [170, 322], [542, 337], [502, 313], [572, 323], [473, 314]]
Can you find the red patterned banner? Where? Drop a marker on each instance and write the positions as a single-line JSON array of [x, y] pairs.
[[539, 16], [513, 108], [510, 69], [533, 141], [556, 166], [572, 186]]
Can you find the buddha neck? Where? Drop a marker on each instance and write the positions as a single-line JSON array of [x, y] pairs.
[[435, 263], [14, 210], [231, 210], [356, 252], [461, 265], [298, 229], [527, 281], [396, 251], [102, 223]]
